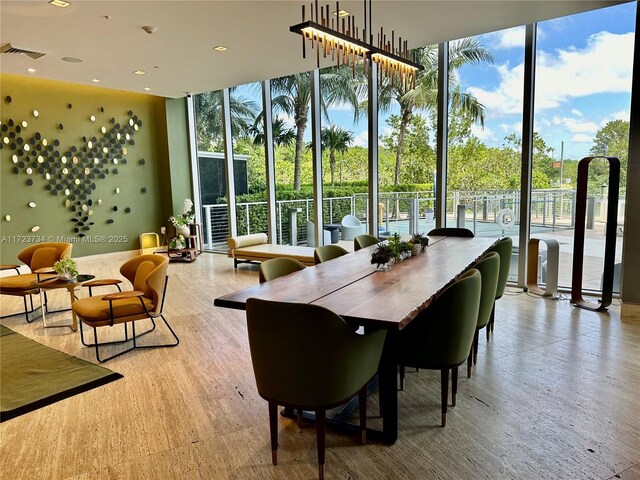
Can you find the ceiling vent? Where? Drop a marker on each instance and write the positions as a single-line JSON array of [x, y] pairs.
[[14, 49]]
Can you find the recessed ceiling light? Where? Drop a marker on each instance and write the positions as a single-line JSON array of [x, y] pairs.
[[59, 3], [220, 48], [96, 80], [139, 72], [342, 13], [147, 89], [72, 60], [31, 70]]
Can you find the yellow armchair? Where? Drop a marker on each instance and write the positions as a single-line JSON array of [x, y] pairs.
[[37, 256], [148, 276]]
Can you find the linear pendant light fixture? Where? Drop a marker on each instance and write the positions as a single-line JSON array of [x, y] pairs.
[[340, 39]]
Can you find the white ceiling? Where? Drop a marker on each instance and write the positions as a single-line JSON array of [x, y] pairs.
[[178, 58]]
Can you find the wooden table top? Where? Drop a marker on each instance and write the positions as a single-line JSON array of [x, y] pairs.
[[392, 299], [350, 287]]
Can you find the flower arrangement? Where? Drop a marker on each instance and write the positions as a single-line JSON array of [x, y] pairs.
[[177, 243], [186, 217], [66, 269]]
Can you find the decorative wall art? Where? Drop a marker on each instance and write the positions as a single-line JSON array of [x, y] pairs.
[[71, 172]]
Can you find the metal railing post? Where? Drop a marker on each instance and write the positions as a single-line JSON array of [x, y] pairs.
[[207, 226]]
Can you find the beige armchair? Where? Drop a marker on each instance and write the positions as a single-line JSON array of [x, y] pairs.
[[37, 257], [148, 275]]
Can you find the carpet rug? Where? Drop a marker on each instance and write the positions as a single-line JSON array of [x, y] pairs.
[[33, 375]]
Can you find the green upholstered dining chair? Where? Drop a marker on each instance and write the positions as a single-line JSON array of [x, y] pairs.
[[305, 356], [452, 232], [37, 256], [441, 337], [278, 267], [328, 252], [363, 241], [504, 248], [489, 268], [148, 276]]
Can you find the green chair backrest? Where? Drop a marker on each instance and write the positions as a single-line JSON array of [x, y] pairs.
[[489, 268], [504, 248], [328, 252], [278, 267], [452, 232], [363, 241], [307, 356], [441, 336]]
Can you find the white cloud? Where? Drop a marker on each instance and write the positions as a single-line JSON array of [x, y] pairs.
[[621, 115], [581, 137], [484, 134], [575, 125], [507, 97], [576, 112], [510, 38], [361, 139], [511, 127], [565, 74]]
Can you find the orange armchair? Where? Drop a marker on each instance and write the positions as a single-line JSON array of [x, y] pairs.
[[36, 257], [148, 275]]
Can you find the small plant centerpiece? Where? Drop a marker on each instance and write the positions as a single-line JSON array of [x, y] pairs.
[[400, 249], [405, 249], [420, 242], [381, 256], [182, 221], [66, 269], [394, 244]]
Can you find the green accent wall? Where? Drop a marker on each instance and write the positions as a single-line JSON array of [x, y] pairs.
[[178, 145], [65, 114]]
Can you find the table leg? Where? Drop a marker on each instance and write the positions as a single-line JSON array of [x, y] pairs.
[[388, 384], [74, 319], [43, 308]]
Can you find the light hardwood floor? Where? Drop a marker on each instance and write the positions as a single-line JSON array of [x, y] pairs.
[[555, 395]]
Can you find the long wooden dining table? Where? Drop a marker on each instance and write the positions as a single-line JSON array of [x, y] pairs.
[[350, 287]]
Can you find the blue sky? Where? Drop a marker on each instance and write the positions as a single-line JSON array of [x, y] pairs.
[[583, 67]]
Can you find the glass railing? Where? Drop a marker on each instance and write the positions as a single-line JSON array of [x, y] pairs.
[[552, 216]]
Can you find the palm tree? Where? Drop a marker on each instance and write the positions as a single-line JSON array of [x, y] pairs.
[[208, 108], [425, 95], [335, 139], [292, 95], [281, 134]]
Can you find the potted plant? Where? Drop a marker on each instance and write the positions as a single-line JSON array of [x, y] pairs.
[[420, 241], [381, 257], [67, 269], [405, 249], [394, 244], [182, 221], [177, 243]]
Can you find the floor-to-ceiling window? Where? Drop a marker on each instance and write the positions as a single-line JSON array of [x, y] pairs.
[[583, 82], [344, 142], [407, 158], [291, 98], [210, 166], [485, 133], [248, 159], [582, 101]]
